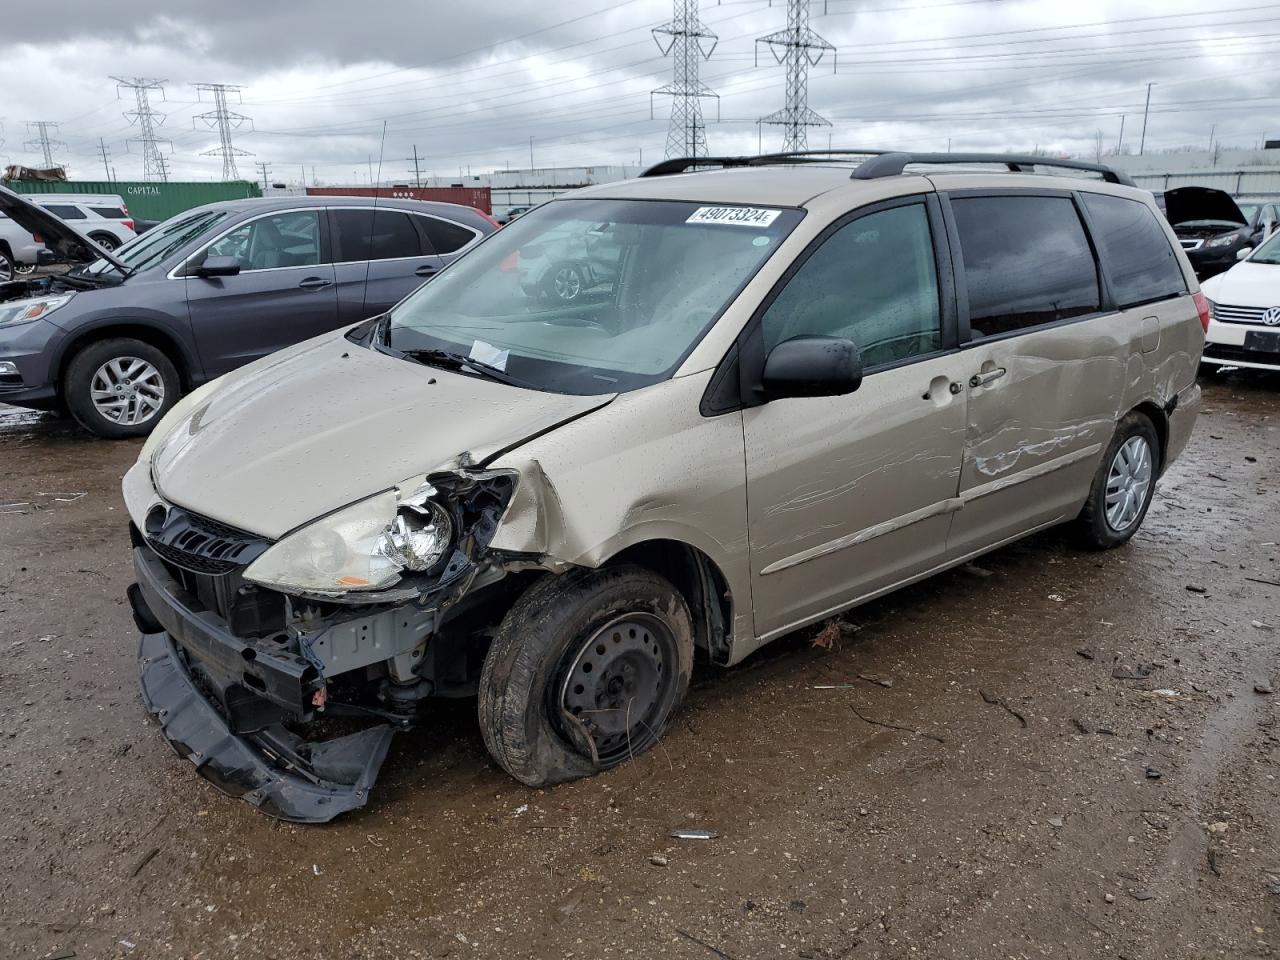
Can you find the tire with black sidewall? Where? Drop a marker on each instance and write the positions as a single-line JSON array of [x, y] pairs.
[[1092, 525], [8, 267], [77, 385], [106, 241], [538, 639]]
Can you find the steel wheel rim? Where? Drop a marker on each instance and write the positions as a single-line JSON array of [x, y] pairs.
[[1128, 482], [127, 391], [621, 695], [567, 283]]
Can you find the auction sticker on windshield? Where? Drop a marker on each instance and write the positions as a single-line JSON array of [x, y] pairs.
[[736, 216]]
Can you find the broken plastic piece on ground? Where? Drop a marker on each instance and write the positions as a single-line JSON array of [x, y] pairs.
[[694, 834], [275, 770]]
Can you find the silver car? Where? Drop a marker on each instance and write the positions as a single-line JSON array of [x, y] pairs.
[[810, 384]]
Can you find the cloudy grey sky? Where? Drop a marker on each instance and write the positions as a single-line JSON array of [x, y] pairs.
[[470, 83]]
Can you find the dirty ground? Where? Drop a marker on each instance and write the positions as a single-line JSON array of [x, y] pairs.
[[1049, 753]]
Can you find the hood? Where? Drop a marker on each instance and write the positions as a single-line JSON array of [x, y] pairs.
[[1184, 204], [1245, 285], [320, 425], [54, 232]]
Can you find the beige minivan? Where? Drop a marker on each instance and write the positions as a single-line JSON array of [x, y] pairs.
[[790, 384]]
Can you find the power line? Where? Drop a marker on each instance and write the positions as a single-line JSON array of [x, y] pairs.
[[154, 165], [225, 120], [801, 48], [690, 42], [41, 140]]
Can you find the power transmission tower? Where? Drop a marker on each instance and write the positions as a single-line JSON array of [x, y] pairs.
[[264, 170], [689, 42], [417, 167], [106, 157], [154, 166], [226, 121], [41, 140], [800, 48]]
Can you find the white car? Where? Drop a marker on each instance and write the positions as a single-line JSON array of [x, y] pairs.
[[1244, 305]]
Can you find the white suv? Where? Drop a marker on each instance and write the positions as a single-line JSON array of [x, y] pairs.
[[103, 218]]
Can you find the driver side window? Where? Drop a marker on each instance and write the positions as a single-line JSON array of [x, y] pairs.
[[874, 282], [276, 240]]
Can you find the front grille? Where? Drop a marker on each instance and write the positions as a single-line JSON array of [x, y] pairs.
[[200, 544], [1225, 313]]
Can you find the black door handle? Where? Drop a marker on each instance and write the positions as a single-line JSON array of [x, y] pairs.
[[315, 283], [426, 270]]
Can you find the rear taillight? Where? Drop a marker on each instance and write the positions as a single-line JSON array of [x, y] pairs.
[[1202, 307], [489, 218], [129, 224]]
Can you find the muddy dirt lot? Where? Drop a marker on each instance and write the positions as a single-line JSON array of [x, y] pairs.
[[1052, 753]]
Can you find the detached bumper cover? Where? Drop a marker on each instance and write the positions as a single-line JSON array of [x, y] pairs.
[[276, 771]]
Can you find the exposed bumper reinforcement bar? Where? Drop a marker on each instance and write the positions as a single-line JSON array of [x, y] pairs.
[[279, 773]]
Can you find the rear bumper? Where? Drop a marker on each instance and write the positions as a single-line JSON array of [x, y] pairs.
[[222, 702]]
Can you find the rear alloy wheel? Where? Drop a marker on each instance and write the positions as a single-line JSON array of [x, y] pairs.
[[7, 268], [585, 673], [1124, 484], [106, 241], [120, 388]]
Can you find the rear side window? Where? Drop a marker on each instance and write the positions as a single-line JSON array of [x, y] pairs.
[[1026, 261], [66, 211], [109, 213], [394, 236], [446, 237], [370, 234], [1140, 261]]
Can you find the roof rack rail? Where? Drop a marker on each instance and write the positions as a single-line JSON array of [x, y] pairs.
[[892, 164], [885, 163], [685, 164]]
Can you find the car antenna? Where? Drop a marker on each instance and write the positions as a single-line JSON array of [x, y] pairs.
[[377, 189]]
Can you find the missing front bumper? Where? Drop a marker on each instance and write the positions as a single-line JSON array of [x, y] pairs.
[[278, 772]]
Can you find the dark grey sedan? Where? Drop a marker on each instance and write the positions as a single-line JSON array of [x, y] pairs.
[[119, 337]]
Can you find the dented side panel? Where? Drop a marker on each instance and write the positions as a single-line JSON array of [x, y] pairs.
[[647, 467]]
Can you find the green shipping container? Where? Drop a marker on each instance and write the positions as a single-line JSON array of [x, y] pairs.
[[146, 201]]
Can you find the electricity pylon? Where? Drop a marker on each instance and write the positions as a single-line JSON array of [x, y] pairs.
[[226, 121], [690, 42], [154, 166], [800, 48]]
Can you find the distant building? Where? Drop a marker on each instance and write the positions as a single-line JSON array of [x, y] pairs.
[[1244, 173]]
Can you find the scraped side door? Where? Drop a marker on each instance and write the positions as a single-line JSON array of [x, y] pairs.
[[1045, 361]]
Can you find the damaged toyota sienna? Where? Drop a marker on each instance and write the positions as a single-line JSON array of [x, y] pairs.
[[797, 382]]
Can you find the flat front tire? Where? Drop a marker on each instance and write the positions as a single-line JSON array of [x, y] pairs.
[[120, 387], [585, 672], [1123, 486]]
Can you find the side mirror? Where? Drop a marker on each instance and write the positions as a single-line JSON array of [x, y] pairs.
[[1243, 252], [812, 367], [218, 267]]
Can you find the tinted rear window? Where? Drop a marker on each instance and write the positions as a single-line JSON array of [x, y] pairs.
[[65, 211], [446, 237], [1027, 262], [374, 235], [1140, 261], [110, 213]]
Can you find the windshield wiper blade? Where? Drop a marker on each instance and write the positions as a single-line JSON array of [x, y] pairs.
[[456, 361]]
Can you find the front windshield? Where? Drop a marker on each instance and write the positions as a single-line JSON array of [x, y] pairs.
[[592, 296], [160, 242], [1268, 252]]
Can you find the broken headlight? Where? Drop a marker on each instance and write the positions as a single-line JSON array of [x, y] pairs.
[[363, 547]]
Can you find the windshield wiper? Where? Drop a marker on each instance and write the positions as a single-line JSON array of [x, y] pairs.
[[457, 361]]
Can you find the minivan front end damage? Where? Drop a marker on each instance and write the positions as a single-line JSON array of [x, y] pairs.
[[289, 699]]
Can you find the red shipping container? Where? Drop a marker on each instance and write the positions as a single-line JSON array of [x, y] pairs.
[[477, 197]]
